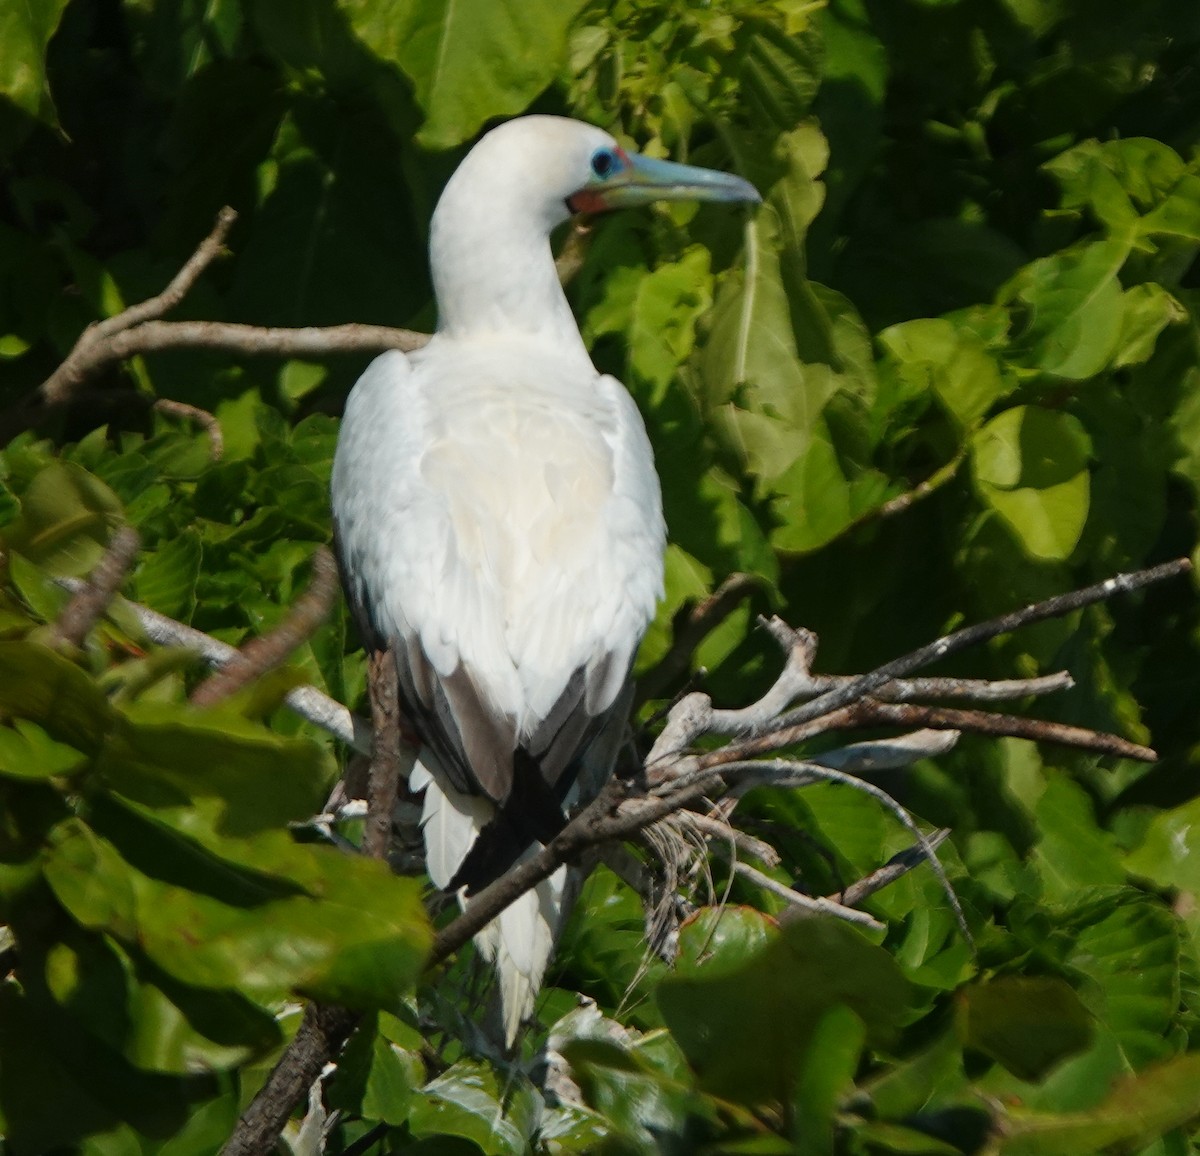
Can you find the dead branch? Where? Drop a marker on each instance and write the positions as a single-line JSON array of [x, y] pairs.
[[140, 329], [678, 780], [91, 597], [89, 351], [392, 757], [311, 341], [809, 904], [261, 654], [899, 864], [320, 1036], [308, 702]]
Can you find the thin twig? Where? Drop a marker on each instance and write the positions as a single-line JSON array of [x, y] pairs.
[[969, 636], [812, 905], [898, 865], [140, 329], [871, 713], [972, 689], [201, 417], [722, 832], [91, 350], [91, 597], [261, 654], [919, 492]]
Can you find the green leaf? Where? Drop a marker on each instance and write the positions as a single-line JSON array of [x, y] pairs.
[[1169, 853], [937, 355], [358, 935], [25, 31], [376, 1077], [1139, 1109], [752, 380], [1073, 309], [66, 517], [1073, 851], [1027, 1023], [826, 1077], [466, 1101], [744, 1018], [657, 311], [28, 752], [468, 61], [166, 578], [39, 685], [1149, 309], [1030, 465]]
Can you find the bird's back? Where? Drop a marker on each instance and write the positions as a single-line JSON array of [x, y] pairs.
[[497, 505]]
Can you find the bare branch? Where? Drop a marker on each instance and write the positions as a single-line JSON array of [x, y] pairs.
[[392, 756], [91, 597], [870, 713], [261, 654], [723, 832], [257, 341], [919, 492], [320, 1036], [972, 689], [201, 417], [812, 905], [140, 329], [969, 636], [900, 864], [89, 351], [888, 754]]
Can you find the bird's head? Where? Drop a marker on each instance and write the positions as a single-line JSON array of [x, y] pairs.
[[556, 166]]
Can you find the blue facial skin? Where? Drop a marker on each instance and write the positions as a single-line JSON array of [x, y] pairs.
[[620, 179]]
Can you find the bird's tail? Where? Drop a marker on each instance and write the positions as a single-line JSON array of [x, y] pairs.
[[520, 940], [519, 943]]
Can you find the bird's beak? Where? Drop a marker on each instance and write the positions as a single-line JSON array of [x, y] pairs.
[[642, 180]]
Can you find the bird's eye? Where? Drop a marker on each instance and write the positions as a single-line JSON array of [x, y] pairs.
[[604, 163]]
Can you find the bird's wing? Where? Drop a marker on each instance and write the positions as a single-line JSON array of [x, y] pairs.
[[508, 540]]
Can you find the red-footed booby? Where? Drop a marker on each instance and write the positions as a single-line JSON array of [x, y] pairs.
[[499, 521]]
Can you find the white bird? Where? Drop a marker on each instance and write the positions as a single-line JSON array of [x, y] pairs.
[[499, 521]]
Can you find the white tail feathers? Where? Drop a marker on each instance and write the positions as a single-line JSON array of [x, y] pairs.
[[520, 940]]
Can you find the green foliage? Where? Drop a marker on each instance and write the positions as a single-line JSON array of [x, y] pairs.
[[952, 366]]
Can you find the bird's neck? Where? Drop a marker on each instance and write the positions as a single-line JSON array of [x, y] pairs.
[[497, 276]]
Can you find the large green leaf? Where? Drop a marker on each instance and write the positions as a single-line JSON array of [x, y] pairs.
[[468, 60], [1027, 1023], [356, 934], [66, 517], [1030, 466], [1072, 307], [744, 1012], [25, 31], [466, 1101], [1139, 1109], [951, 361]]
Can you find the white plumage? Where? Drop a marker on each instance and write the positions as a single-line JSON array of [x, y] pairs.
[[499, 521]]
